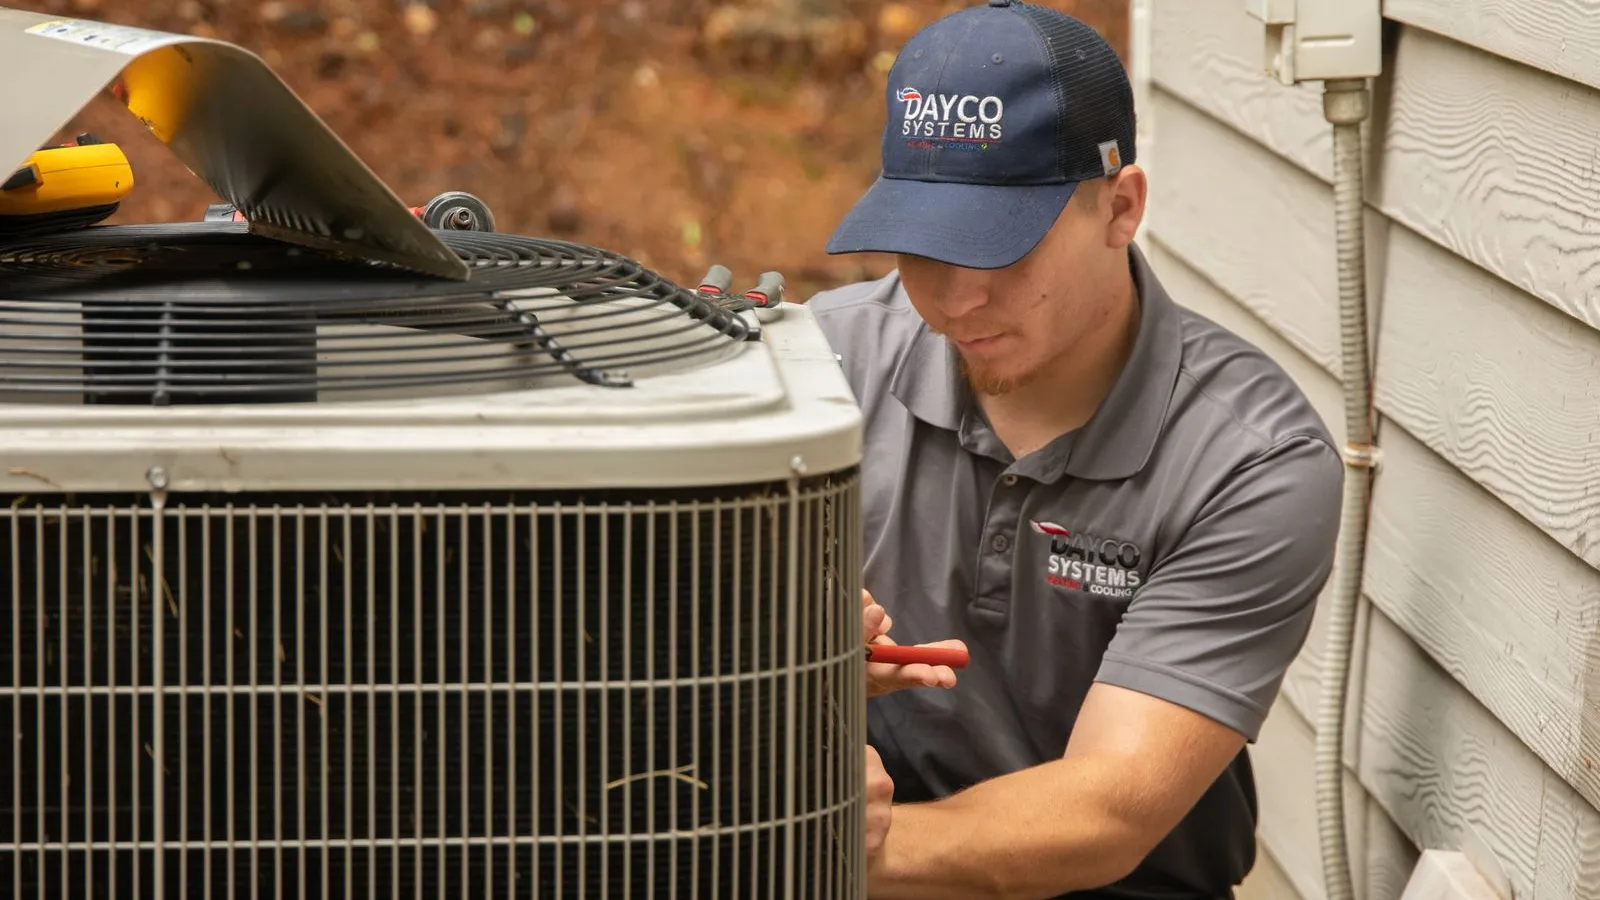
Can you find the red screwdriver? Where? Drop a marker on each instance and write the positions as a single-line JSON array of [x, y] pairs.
[[897, 655]]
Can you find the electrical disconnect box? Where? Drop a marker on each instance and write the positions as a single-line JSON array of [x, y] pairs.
[[1321, 40]]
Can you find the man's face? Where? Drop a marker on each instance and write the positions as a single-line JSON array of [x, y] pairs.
[[1010, 325]]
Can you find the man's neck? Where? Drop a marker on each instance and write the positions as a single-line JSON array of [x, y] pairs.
[[1072, 387]]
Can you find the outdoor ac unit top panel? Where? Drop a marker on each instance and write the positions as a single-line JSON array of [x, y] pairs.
[[769, 410]]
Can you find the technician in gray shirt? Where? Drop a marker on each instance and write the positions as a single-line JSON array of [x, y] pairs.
[[1124, 511]]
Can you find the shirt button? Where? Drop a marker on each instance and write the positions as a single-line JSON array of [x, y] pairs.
[[1000, 543], [1009, 481]]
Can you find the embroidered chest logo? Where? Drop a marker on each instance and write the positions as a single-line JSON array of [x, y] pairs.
[[1085, 562]]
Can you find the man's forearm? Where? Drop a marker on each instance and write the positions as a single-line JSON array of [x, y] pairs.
[[1036, 833]]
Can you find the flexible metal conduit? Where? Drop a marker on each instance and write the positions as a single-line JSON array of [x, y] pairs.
[[1346, 104]]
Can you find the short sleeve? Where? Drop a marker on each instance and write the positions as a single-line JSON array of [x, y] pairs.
[[1218, 620]]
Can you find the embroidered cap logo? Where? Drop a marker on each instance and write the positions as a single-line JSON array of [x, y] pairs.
[[951, 117]]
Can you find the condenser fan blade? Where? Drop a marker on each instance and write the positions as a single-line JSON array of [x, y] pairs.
[[208, 313]]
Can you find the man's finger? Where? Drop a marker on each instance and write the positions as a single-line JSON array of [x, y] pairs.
[[873, 622], [893, 678], [924, 675]]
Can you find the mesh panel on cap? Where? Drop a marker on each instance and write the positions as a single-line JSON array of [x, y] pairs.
[[1092, 92]]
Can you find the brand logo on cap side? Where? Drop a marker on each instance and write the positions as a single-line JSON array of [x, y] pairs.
[[957, 121], [1111, 157]]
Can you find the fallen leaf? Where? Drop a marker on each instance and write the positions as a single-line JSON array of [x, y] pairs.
[[420, 19], [344, 28], [723, 23], [897, 22]]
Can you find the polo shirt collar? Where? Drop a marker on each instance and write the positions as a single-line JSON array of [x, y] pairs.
[[928, 380], [1117, 440]]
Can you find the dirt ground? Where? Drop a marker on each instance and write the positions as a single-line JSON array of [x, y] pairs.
[[680, 132]]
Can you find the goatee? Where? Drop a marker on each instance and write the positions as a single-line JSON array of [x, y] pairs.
[[987, 380]]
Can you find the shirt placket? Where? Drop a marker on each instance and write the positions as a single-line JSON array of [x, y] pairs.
[[997, 549], [998, 540], [995, 578]]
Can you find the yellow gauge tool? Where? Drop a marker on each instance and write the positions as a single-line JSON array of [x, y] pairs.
[[71, 186]]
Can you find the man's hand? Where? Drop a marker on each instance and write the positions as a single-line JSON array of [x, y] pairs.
[[886, 678], [880, 806]]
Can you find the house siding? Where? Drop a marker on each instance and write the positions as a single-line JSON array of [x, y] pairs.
[[1474, 717]]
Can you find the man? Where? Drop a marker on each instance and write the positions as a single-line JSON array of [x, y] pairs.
[[1124, 511]]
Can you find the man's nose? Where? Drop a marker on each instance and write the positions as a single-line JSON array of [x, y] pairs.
[[965, 292]]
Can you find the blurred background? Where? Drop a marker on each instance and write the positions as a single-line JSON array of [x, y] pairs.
[[680, 132]]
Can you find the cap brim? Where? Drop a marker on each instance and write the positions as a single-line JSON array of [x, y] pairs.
[[975, 226]]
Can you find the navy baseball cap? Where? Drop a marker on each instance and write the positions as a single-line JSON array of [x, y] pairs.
[[996, 113]]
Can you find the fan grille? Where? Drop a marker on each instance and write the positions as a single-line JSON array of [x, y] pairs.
[[209, 313], [415, 695]]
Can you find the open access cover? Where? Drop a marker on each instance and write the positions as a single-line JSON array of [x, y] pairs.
[[227, 116]]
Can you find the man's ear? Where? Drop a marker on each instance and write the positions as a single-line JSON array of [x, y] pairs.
[[1125, 193]]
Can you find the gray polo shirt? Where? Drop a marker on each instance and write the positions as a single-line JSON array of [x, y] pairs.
[[1174, 545]]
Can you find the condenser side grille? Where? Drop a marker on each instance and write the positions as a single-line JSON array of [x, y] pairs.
[[606, 695]]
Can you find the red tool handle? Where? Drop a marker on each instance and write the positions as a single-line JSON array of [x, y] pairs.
[[897, 655]]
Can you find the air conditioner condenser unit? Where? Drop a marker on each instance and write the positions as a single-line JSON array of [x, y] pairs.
[[561, 639], [326, 578]]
